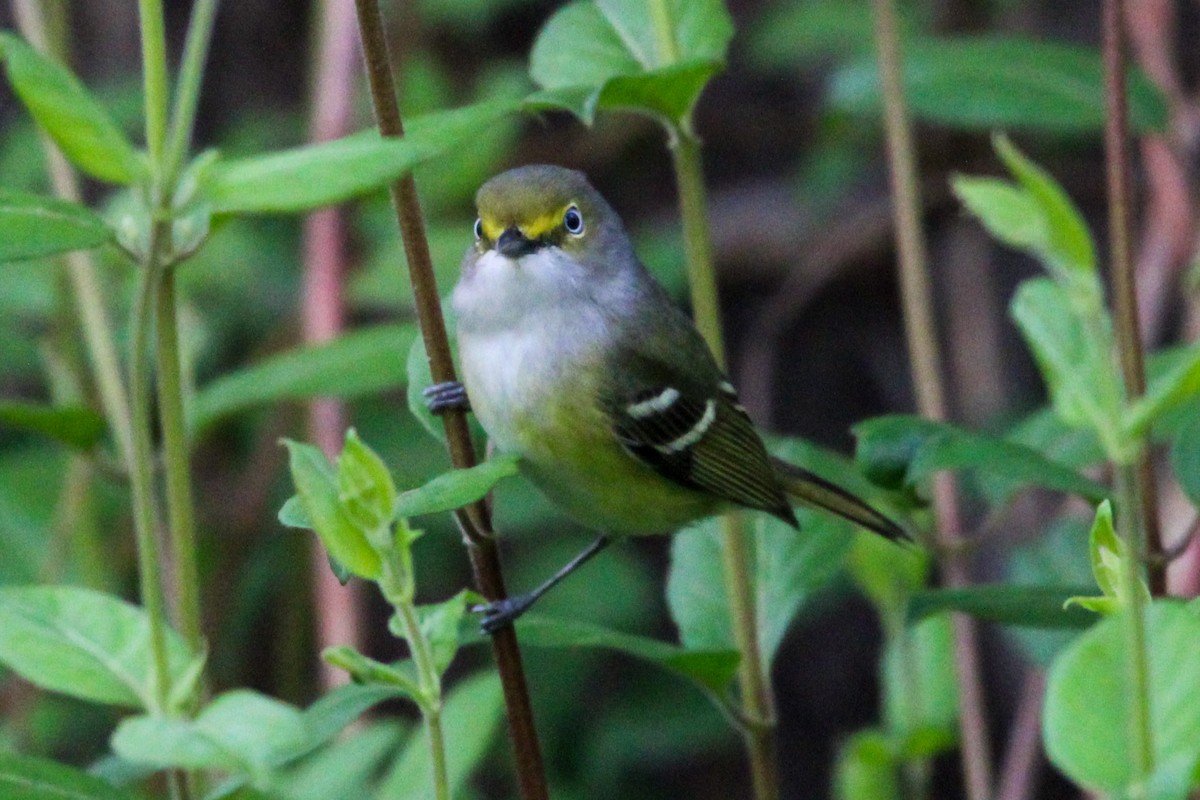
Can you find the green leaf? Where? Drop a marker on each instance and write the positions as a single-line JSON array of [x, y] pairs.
[[901, 448], [369, 672], [608, 54], [886, 574], [789, 568], [1185, 459], [29, 778], [74, 426], [1008, 604], [346, 767], [84, 644], [867, 768], [440, 624], [1052, 558], [1108, 553], [316, 485], [1073, 363], [1085, 723], [292, 514], [360, 362], [240, 732], [366, 491], [457, 488], [470, 718], [69, 114], [331, 172], [1001, 82], [325, 718], [34, 226], [1165, 393], [920, 691], [712, 670]]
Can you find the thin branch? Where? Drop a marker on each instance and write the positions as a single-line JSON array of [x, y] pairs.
[[921, 334], [475, 520]]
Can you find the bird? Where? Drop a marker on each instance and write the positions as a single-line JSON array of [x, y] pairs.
[[576, 359]]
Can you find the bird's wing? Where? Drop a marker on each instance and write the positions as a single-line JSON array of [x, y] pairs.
[[695, 435]]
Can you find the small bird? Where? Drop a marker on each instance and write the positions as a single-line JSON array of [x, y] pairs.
[[576, 359]]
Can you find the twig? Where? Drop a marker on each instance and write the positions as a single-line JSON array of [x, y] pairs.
[[1128, 330], [1018, 775], [931, 402], [475, 521]]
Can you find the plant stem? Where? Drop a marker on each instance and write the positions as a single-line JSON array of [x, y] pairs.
[[1124, 279], [141, 473], [185, 576], [921, 335], [1139, 734], [475, 520], [154, 81], [758, 702], [187, 90]]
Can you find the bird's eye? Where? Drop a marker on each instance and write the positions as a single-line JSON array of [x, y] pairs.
[[479, 228], [573, 221]]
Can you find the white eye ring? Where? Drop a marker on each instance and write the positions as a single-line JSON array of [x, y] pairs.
[[573, 221], [479, 228]]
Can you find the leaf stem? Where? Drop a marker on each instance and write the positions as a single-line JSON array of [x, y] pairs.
[[180, 504], [475, 521], [758, 703], [1124, 278], [921, 335]]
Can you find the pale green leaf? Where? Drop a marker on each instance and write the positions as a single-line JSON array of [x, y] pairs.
[[34, 226]]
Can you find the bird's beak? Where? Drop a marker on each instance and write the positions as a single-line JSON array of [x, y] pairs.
[[513, 244]]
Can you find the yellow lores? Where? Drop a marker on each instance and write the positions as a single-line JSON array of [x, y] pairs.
[[576, 359]]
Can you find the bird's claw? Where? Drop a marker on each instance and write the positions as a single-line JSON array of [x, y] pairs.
[[442, 397], [500, 614]]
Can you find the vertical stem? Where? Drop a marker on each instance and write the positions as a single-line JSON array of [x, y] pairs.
[[155, 86], [920, 331], [336, 608], [185, 576], [141, 474], [1139, 734], [191, 76], [475, 520], [427, 679], [758, 702], [1128, 331]]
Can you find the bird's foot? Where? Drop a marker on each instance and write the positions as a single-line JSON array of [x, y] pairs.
[[442, 397], [502, 613]]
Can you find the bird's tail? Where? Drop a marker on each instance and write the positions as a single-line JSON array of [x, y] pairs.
[[810, 489]]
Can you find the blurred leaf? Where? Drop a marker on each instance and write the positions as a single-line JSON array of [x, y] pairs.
[[74, 426], [1165, 393], [867, 768], [920, 691], [458, 487], [360, 362], [470, 718], [84, 644], [789, 568], [292, 514], [786, 34], [345, 768], [1185, 459], [1077, 368], [888, 575], [240, 732], [1001, 82], [34, 226], [323, 174], [338, 708], [604, 54], [712, 670], [28, 778], [1008, 604], [69, 114], [1085, 723], [369, 672], [900, 448], [1051, 558], [316, 486]]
